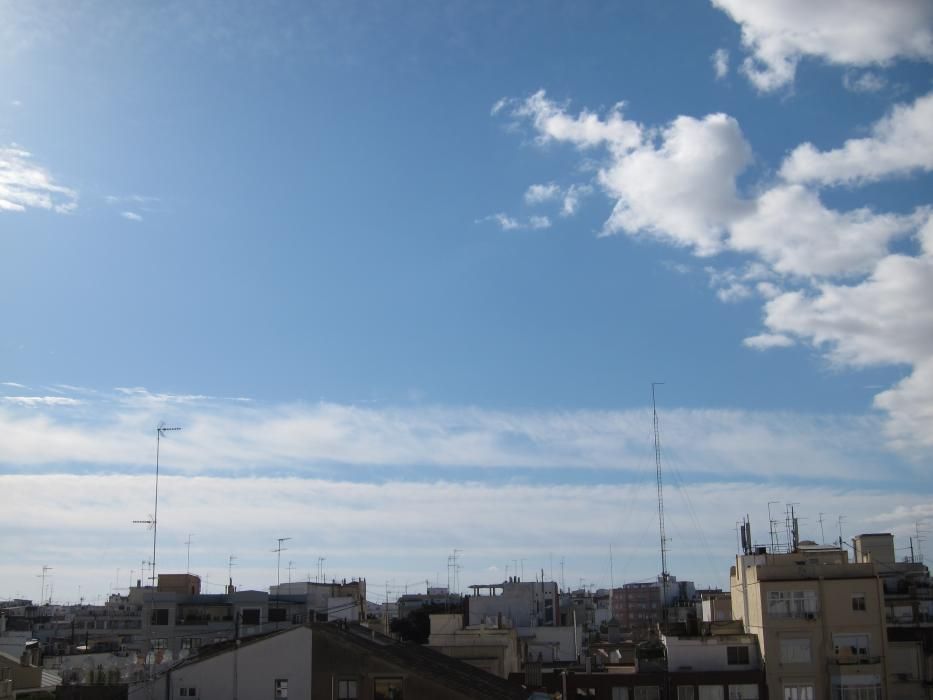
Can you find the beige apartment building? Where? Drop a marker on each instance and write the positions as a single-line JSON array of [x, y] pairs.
[[819, 619]]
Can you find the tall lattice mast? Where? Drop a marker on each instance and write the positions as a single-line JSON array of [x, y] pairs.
[[665, 574]]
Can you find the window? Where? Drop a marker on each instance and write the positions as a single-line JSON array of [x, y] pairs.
[[737, 656], [850, 644], [858, 602], [387, 689], [647, 692], [685, 692], [160, 616], [188, 692], [249, 616], [620, 694], [709, 692], [159, 643], [277, 614], [743, 691], [280, 686], [190, 642], [795, 651], [792, 604], [347, 690], [798, 692], [845, 691]]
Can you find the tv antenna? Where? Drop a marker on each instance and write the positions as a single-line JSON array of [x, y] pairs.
[[153, 521], [278, 563], [45, 570]]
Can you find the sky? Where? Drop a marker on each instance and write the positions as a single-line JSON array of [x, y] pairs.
[[404, 273]]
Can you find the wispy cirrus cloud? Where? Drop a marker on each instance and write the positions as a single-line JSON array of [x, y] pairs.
[[511, 223], [26, 185], [112, 432]]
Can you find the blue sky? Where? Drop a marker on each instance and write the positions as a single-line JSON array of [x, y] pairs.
[[404, 272]]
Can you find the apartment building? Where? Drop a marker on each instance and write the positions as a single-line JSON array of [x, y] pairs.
[[819, 619], [638, 606]]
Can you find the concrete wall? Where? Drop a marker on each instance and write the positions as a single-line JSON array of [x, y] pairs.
[[250, 672]]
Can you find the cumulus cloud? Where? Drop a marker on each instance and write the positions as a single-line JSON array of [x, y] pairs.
[[828, 276], [676, 183], [796, 234], [25, 185], [720, 61], [779, 33], [899, 143], [131, 216]]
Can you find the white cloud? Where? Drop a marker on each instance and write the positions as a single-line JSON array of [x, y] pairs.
[[572, 198], [678, 184], [537, 194], [131, 216], [885, 319], [900, 142], [40, 400], [720, 61], [864, 81], [732, 285], [683, 189], [26, 185], [778, 33], [795, 233], [586, 130], [510, 223], [401, 530], [114, 432], [766, 341], [15, 385]]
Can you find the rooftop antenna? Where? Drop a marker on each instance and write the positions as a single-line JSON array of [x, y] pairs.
[[230, 561], [45, 570], [278, 564], [839, 522], [822, 534], [320, 569], [153, 522], [611, 579], [665, 575], [771, 523], [919, 540], [291, 567], [188, 561]]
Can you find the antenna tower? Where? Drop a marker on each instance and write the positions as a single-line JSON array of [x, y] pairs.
[[665, 574]]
